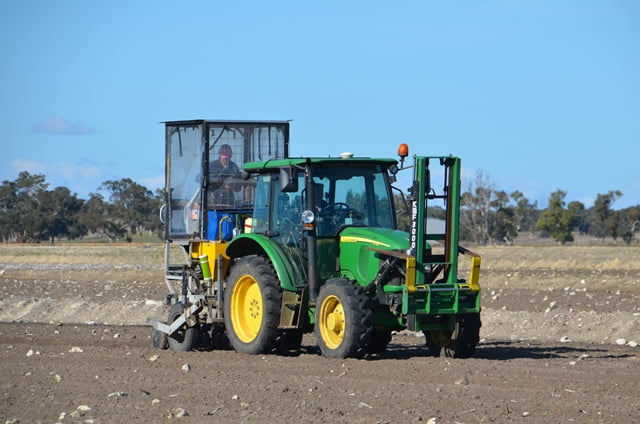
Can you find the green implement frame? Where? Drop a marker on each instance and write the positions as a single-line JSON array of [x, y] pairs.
[[433, 286]]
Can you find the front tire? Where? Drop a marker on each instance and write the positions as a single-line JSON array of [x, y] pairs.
[[343, 322], [252, 305]]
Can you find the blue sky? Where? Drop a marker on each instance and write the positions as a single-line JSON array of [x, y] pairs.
[[538, 95]]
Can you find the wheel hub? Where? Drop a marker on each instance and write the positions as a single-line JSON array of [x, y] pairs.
[[335, 321], [254, 308]]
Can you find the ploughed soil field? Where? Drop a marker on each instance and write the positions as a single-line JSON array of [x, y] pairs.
[[559, 343]]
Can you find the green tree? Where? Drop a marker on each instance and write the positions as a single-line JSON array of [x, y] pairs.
[[96, 217], [582, 217], [525, 213], [629, 219], [604, 221], [557, 221], [133, 208], [59, 214], [579, 215], [7, 202], [502, 223], [20, 207]]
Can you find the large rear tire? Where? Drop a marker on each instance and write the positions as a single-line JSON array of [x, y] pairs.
[[343, 321], [459, 343], [252, 305], [184, 338]]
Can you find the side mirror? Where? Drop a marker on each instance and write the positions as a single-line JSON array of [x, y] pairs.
[[289, 179], [393, 170]]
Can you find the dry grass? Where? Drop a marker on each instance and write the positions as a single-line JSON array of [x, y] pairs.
[[83, 262], [82, 253], [562, 257], [595, 267]]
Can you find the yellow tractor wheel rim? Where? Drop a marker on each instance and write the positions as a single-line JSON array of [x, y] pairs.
[[332, 322], [246, 308]]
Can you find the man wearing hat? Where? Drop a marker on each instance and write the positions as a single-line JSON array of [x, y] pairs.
[[221, 179], [224, 165]]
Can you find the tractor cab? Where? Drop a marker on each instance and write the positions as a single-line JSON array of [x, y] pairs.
[[309, 207]]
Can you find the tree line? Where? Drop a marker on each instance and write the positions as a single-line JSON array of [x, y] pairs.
[[30, 212], [120, 209], [492, 216]]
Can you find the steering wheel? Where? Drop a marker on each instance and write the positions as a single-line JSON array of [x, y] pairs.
[[341, 210], [337, 208]]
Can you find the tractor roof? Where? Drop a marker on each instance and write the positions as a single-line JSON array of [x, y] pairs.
[[328, 161], [223, 121]]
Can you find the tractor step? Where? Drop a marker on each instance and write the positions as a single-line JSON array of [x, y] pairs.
[[290, 312]]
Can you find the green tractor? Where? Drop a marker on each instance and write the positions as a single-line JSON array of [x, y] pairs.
[[277, 247]]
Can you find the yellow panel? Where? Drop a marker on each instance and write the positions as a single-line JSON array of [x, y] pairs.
[[474, 273], [213, 250], [411, 274]]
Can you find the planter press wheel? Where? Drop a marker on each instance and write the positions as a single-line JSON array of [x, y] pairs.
[[184, 338]]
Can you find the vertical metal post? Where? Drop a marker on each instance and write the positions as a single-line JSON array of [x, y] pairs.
[[219, 287], [167, 246], [310, 235], [419, 213], [452, 168]]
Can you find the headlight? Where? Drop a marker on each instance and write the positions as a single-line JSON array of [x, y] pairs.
[[308, 217]]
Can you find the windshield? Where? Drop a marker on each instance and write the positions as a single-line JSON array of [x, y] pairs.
[[353, 195]]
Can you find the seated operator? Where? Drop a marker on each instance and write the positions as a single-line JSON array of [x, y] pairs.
[[221, 174], [224, 165]]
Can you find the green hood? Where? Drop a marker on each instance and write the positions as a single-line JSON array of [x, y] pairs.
[[381, 238], [357, 261]]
